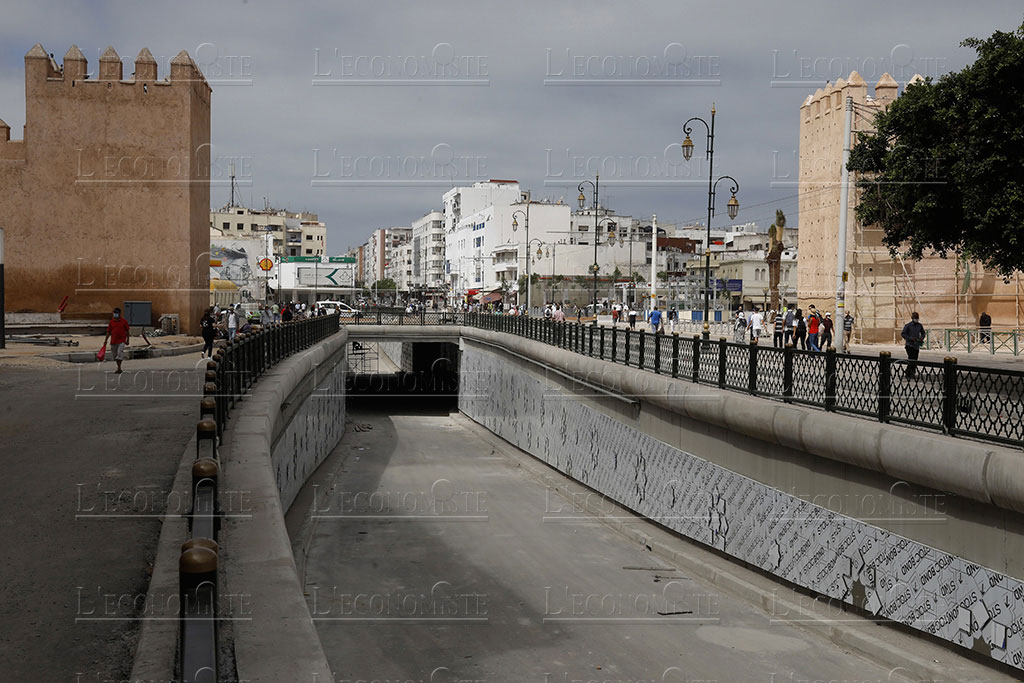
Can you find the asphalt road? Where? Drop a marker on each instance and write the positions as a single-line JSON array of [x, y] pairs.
[[87, 458], [436, 557]]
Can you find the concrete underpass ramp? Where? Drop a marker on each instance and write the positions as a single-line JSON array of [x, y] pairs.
[[437, 555]]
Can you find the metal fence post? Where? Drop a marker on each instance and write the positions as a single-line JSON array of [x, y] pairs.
[[615, 340], [884, 385], [601, 349], [787, 373], [830, 379], [722, 353], [641, 347], [657, 355], [675, 354], [696, 358], [752, 369], [950, 406]]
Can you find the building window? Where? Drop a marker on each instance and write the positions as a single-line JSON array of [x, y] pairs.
[[309, 238], [240, 226], [253, 226], [226, 226], [309, 251]]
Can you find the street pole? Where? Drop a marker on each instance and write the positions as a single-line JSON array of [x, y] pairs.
[[529, 288], [844, 203], [711, 209], [596, 179], [633, 279], [654, 261]]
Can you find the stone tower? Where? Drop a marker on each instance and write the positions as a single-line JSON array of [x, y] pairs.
[[106, 199]]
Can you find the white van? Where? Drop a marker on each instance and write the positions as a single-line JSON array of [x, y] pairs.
[[332, 307]]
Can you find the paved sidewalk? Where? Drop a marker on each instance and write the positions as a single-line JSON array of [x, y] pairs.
[[88, 457]]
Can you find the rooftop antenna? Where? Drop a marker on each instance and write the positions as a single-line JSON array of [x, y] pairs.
[[232, 173]]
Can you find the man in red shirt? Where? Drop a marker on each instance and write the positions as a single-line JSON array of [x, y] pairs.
[[117, 332]]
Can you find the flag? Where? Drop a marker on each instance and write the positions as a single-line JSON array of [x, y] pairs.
[[967, 276]]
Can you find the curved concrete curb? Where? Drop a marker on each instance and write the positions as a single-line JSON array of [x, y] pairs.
[[982, 472], [134, 353]]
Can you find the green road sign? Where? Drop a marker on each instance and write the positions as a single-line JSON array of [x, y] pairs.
[[300, 259]]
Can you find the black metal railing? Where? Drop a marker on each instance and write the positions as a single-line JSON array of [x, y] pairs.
[[982, 403], [231, 372]]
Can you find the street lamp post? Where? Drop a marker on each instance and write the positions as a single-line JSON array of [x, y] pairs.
[[733, 205], [515, 226], [609, 240], [583, 201]]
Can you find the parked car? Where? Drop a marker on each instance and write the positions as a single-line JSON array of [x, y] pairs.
[[339, 307]]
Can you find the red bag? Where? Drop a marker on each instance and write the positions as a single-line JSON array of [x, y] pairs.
[[102, 353]]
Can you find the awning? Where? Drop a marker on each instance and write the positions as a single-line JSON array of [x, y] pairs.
[[490, 298]]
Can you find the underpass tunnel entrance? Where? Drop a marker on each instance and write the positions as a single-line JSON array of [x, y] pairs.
[[412, 371]]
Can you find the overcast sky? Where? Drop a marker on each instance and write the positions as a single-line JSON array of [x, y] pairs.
[[343, 109]]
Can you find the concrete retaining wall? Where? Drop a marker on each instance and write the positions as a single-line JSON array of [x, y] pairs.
[[916, 528]]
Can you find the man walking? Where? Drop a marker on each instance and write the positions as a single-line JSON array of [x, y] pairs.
[[206, 327], [789, 325], [673, 316], [232, 323], [826, 331], [655, 320], [985, 327], [813, 327], [118, 332], [847, 330], [780, 325], [632, 318], [913, 337], [756, 323]]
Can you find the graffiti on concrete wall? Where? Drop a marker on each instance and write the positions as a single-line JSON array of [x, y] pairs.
[[838, 556]]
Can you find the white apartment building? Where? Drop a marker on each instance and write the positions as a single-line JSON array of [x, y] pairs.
[[380, 249], [485, 250], [463, 201], [294, 233], [428, 243], [399, 265]]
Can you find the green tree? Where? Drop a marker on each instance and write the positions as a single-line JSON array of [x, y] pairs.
[[943, 171], [384, 285], [616, 274]]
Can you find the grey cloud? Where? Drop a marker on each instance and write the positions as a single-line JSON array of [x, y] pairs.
[[276, 120]]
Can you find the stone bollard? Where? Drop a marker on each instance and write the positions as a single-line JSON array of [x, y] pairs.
[[197, 586], [206, 432], [204, 520]]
